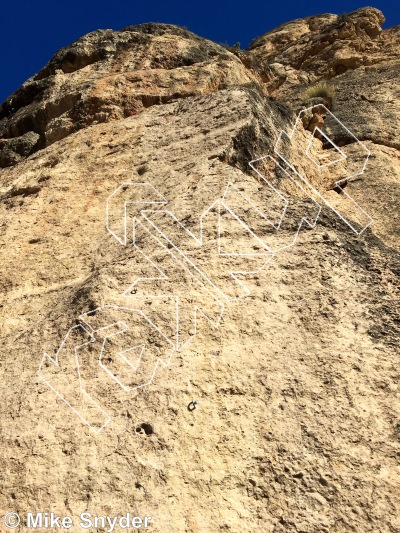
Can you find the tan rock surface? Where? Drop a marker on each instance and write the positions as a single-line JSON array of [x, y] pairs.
[[324, 46], [110, 75], [297, 429]]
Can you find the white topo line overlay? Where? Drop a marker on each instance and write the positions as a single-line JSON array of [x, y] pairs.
[[359, 160], [57, 372]]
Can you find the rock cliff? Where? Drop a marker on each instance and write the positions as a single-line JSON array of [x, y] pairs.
[[295, 367]]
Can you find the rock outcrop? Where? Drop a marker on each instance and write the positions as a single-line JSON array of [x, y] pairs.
[[298, 426], [110, 75], [324, 46]]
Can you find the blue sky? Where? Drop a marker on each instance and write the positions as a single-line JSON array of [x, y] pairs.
[[32, 31]]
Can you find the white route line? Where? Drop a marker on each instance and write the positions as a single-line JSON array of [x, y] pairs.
[[337, 183], [92, 334], [151, 196], [124, 186], [56, 363]]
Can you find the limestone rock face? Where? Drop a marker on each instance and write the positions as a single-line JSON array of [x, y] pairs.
[[110, 75], [324, 46], [124, 182]]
